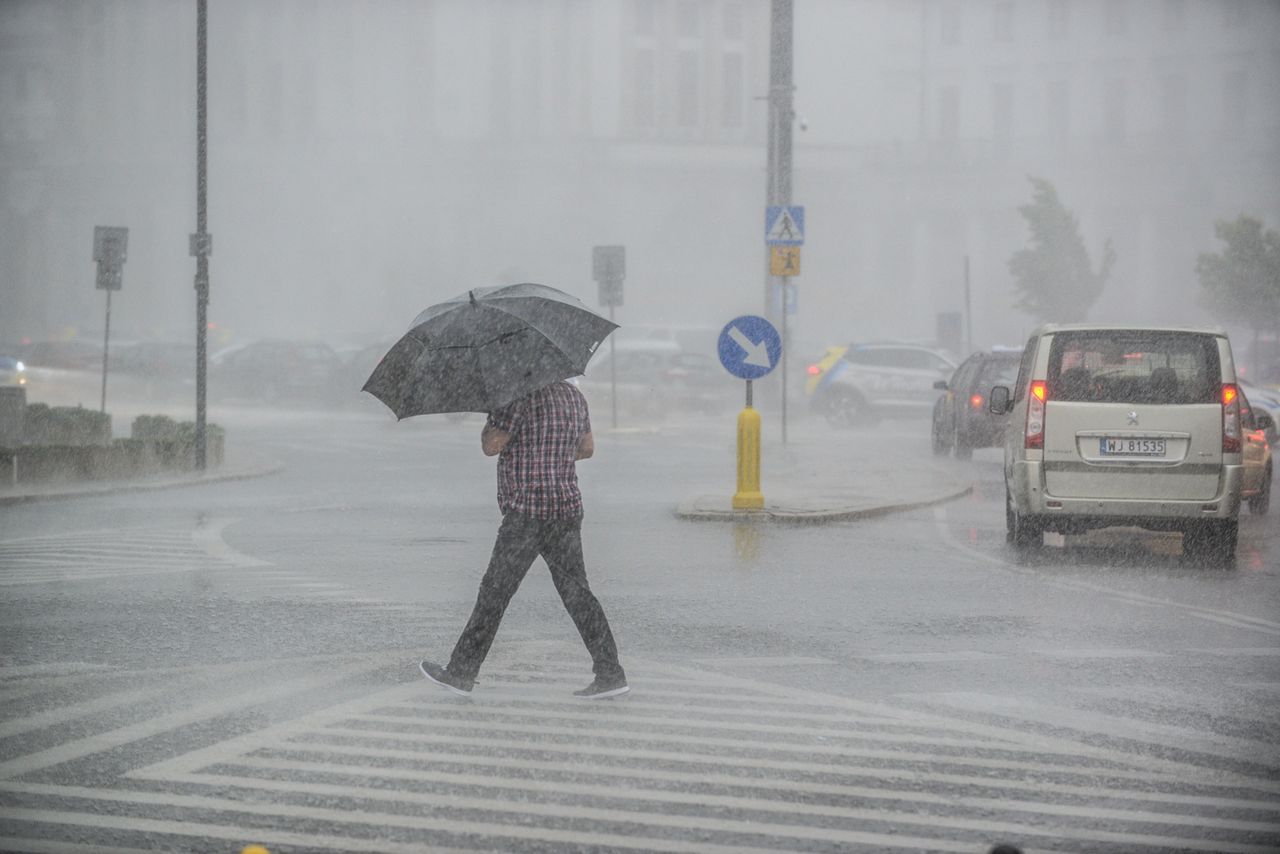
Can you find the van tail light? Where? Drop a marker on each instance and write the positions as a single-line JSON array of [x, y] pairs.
[[1230, 418], [1035, 415], [976, 401]]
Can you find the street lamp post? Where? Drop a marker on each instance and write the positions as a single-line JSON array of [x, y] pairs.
[[201, 242], [781, 113]]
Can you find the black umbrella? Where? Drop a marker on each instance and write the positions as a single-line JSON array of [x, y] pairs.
[[485, 348]]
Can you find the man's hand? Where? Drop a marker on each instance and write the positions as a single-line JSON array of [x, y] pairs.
[[586, 446], [493, 440]]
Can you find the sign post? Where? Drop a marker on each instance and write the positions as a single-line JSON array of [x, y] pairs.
[[110, 249], [749, 347], [609, 269], [784, 235]]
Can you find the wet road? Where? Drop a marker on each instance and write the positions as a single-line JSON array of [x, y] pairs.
[[199, 669]]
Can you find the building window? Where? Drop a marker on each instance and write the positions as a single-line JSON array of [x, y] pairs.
[[688, 19], [1116, 108], [1059, 19], [949, 33], [646, 84], [1173, 101], [1235, 13], [949, 113], [1117, 18], [688, 83], [732, 89], [1002, 22], [1002, 112], [1059, 103], [733, 21], [646, 18], [1235, 100]]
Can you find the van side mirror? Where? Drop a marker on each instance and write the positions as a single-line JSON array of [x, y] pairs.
[[999, 401], [940, 385]]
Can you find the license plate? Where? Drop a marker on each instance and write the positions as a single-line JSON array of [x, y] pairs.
[[1132, 447]]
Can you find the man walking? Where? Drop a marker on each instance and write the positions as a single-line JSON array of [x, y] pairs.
[[538, 439]]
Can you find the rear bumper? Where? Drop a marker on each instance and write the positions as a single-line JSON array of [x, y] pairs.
[[1027, 491]]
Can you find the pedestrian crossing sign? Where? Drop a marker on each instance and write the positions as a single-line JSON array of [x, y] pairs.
[[784, 225], [784, 260]]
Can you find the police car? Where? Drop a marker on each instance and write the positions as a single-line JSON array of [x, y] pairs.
[[861, 383]]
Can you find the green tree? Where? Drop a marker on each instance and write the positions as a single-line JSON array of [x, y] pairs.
[[1054, 277], [1242, 283]]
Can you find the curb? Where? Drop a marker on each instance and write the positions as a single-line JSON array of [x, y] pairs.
[[140, 486], [812, 517]]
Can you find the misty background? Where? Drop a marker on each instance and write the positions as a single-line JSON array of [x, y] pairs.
[[367, 159]]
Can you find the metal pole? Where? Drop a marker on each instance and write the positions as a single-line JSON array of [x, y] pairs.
[[202, 225], [106, 337], [779, 166], [968, 313], [613, 372]]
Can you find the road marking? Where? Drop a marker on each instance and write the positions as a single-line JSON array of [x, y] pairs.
[[518, 826], [764, 804], [236, 835], [1148, 732], [99, 742], [45, 846], [1231, 618], [931, 657]]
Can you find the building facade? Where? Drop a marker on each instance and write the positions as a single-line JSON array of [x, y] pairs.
[[367, 159]]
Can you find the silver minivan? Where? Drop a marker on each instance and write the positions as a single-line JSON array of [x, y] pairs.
[[1124, 425]]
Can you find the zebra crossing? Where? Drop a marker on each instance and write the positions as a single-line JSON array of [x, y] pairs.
[[109, 554], [694, 759]]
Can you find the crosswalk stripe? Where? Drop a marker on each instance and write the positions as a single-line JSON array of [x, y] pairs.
[[524, 833], [235, 835], [1149, 732], [464, 718], [424, 742], [99, 742], [1017, 787], [767, 802], [62, 846]]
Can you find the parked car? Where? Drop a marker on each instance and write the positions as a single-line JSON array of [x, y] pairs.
[[657, 376], [1268, 401], [154, 359], [276, 371], [861, 383], [73, 355], [12, 372], [1113, 425], [962, 420], [1255, 424]]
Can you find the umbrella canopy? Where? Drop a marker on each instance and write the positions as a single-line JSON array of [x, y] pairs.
[[486, 348]]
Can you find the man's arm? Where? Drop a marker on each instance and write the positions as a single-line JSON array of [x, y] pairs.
[[493, 440], [586, 446]]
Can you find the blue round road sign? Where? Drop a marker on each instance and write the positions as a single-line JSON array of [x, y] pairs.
[[749, 347]]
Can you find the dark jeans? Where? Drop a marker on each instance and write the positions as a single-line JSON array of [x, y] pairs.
[[521, 539]]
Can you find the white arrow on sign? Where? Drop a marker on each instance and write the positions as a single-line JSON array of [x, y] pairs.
[[757, 353]]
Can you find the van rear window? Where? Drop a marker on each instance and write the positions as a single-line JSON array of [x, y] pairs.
[[1118, 366]]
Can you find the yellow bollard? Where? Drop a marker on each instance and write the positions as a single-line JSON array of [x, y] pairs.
[[748, 496], [254, 849]]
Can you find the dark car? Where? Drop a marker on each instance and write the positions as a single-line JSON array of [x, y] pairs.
[[961, 418], [276, 371], [655, 378]]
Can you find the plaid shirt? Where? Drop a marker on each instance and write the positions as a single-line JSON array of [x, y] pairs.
[[537, 475]]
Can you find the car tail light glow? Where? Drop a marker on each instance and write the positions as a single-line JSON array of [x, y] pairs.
[[976, 401], [1230, 418], [1035, 415], [814, 370]]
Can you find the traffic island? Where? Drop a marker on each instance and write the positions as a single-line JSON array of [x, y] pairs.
[[816, 508]]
